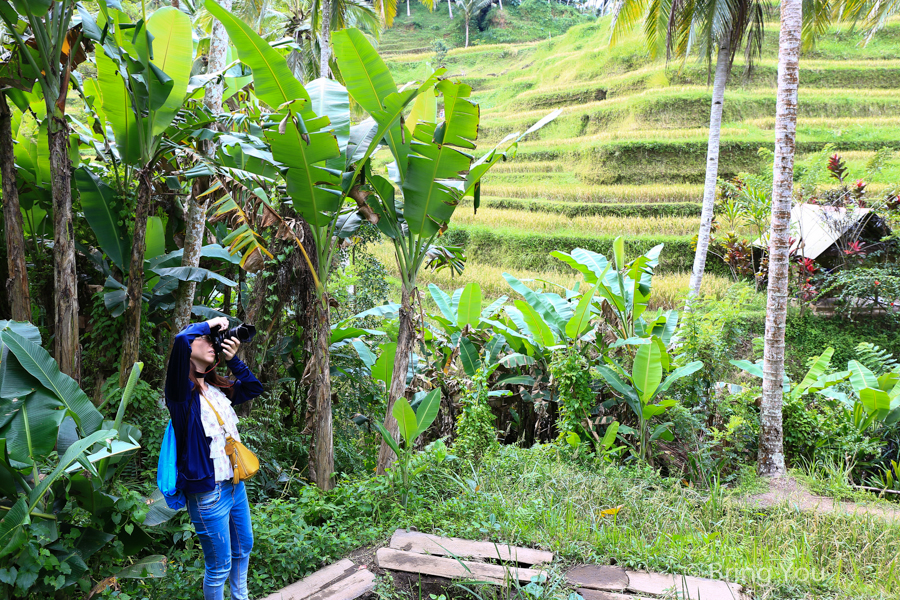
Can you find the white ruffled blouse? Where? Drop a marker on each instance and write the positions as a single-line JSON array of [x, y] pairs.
[[216, 433]]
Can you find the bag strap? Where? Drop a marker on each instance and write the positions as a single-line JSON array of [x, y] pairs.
[[221, 422]]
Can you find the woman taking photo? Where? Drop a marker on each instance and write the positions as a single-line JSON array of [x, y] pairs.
[[200, 403]]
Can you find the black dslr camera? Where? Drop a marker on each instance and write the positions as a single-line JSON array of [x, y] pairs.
[[243, 332]]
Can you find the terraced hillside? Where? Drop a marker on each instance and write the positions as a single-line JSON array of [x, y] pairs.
[[627, 154]]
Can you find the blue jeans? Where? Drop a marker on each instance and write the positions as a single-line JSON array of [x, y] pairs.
[[222, 520]]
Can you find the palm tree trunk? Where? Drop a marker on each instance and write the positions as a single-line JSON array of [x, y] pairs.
[[723, 67], [467, 29], [325, 39], [407, 8], [405, 337], [17, 284], [65, 344], [450, 8], [771, 448], [131, 342]]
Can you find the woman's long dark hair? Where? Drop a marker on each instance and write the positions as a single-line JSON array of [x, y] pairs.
[[214, 379]]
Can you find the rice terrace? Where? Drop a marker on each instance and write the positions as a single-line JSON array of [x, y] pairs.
[[450, 300]]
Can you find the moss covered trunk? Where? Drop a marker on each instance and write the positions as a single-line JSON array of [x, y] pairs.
[[131, 340], [17, 283], [65, 341]]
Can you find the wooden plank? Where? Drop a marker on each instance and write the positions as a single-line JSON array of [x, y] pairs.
[[589, 594], [451, 568], [348, 588], [598, 577], [413, 541], [306, 587]]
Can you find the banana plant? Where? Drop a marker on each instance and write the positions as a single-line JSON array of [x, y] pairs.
[[873, 398], [412, 424], [320, 158], [143, 70], [643, 387], [47, 49], [624, 290], [432, 167], [45, 410]]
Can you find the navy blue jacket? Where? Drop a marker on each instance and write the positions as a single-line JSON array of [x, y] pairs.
[[195, 467]]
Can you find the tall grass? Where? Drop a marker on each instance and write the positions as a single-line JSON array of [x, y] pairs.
[[547, 222], [536, 497], [579, 192]]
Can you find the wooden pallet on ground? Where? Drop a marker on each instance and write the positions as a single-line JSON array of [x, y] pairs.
[[414, 552], [342, 580]]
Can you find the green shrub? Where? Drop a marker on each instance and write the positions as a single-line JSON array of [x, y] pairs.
[[475, 431]]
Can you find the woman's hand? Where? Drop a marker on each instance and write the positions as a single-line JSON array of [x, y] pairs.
[[220, 322], [230, 347]]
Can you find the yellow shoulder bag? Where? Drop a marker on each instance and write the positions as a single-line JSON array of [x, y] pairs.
[[243, 461]]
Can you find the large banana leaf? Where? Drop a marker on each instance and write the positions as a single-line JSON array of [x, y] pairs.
[[535, 324], [365, 74], [31, 432], [101, 210], [580, 321], [27, 331], [435, 177], [469, 306], [40, 365], [12, 527], [117, 108], [273, 81], [330, 99], [370, 84], [815, 372], [406, 419], [427, 410], [314, 189], [860, 376], [647, 370], [172, 53]]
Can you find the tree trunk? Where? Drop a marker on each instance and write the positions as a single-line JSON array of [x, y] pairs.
[[723, 66], [65, 343], [193, 243], [131, 341], [467, 29], [321, 456], [218, 55], [405, 338], [325, 40], [17, 284], [450, 8], [407, 8], [771, 449]]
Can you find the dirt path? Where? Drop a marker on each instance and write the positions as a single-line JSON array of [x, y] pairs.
[[788, 490]]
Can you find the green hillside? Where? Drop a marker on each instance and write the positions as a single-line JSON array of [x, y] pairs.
[[631, 139], [528, 21]]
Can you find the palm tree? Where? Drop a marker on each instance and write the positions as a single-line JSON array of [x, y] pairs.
[[471, 8], [771, 447], [720, 27]]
